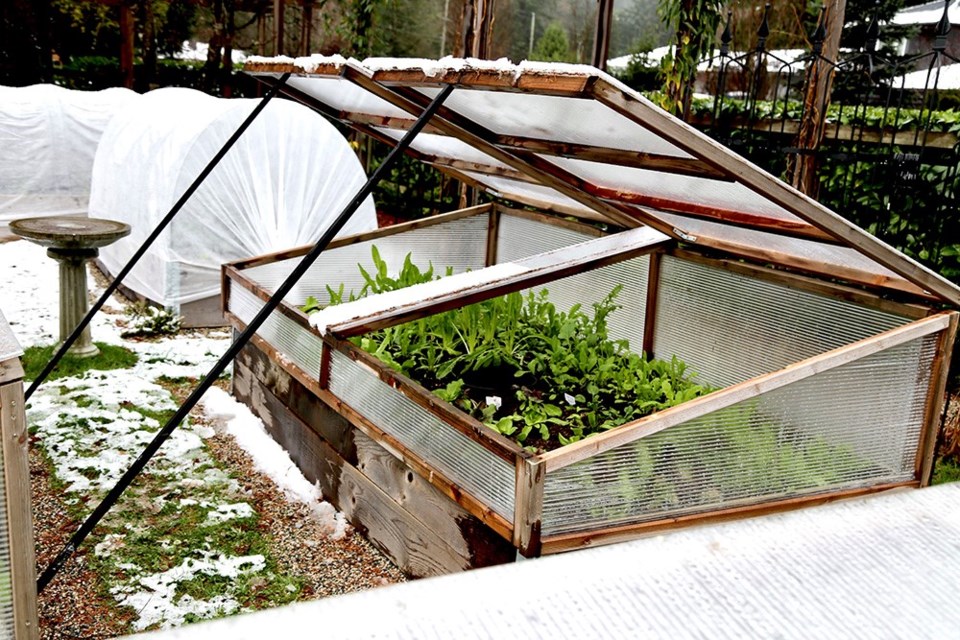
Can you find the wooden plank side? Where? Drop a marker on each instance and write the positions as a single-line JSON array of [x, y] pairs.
[[299, 400], [23, 566], [419, 527], [465, 534], [936, 396], [743, 391], [770, 187], [624, 533]]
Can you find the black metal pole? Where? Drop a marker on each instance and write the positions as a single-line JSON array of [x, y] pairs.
[[244, 337], [55, 360]]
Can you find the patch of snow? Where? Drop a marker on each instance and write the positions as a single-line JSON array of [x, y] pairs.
[[270, 458], [224, 512], [110, 543], [158, 604]]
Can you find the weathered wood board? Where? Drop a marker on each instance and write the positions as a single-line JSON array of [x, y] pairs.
[[416, 525]]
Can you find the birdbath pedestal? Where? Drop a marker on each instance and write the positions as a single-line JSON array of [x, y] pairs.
[[72, 241]]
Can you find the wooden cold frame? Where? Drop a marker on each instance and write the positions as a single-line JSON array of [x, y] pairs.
[[524, 529]]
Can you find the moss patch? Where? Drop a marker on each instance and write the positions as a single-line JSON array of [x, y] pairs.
[[946, 471], [110, 357]]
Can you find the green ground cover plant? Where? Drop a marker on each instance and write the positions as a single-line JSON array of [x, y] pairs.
[[110, 357]]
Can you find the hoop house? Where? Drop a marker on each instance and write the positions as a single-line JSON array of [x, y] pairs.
[[825, 357], [48, 139], [278, 187]]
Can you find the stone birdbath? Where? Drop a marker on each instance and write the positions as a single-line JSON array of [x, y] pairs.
[[72, 241]]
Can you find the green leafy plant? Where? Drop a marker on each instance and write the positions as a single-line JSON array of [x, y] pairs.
[[148, 321], [542, 376]]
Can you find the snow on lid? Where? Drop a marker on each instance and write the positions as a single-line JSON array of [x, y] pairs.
[[364, 307], [9, 347], [432, 68], [307, 64]]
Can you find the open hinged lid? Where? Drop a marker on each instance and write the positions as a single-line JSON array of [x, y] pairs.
[[572, 139]]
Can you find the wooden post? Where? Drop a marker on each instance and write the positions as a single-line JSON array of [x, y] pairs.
[[528, 507], [306, 32], [278, 16], [653, 293], [940, 372], [601, 39], [126, 44], [803, 166], [16, 485], [476, 22]]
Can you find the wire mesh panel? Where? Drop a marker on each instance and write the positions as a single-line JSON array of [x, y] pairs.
[[729, 327], [296, 342], [6, 565], [478, 471], [460, 244], [856, 425]]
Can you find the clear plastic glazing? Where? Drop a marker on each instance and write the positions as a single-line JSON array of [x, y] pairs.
[[460, 244], [294, 341], [555, 118], [6, 569], [479, 472], [853, 426], [728, 328]]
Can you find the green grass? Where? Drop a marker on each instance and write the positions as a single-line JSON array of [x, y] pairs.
[[946, 471], [110, 357]]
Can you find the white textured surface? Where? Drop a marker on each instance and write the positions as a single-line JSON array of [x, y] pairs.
[[9, 347], [881, 567]]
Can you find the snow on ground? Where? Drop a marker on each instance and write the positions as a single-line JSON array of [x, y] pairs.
[[93, 426]]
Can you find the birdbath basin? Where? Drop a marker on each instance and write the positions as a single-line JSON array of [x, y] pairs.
[[72, 241]]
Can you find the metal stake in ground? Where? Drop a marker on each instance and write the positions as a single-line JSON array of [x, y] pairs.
[[244, 337], [112, 287]]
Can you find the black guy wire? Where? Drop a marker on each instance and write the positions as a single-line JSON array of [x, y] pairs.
[[111, 498], [55, 360]]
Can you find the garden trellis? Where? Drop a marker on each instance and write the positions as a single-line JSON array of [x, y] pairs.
[[829, 357]]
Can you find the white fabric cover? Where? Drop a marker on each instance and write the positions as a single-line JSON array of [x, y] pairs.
[[48, 138], [279, 187]]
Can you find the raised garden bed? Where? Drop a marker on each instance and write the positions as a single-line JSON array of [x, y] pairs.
[[818, 390]]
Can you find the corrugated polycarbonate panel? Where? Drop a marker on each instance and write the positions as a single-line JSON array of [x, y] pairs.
[[675, 188], [526, 192], [753, 241], [729, 328], [301, 346], [520, 237], [460, 244], [440, 146], [344, 95], [478, 471], [6, 568], [555, 118], [856, 425]]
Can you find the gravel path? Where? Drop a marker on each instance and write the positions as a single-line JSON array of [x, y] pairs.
[[77, 603]]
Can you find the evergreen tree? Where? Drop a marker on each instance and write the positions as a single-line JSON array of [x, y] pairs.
[[553, 45]]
